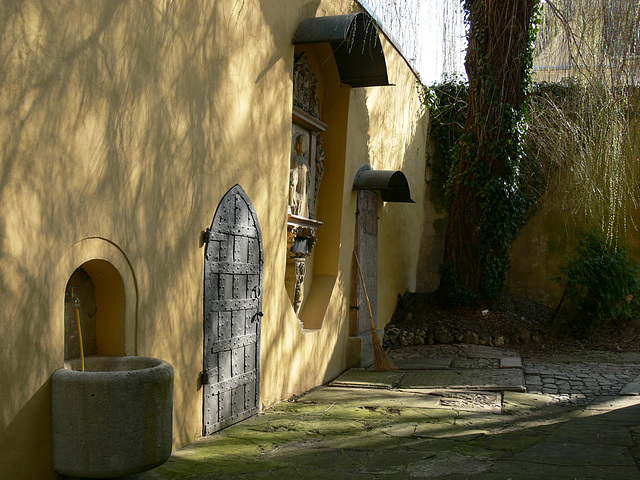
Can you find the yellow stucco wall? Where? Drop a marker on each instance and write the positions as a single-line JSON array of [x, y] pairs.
[[122, 125], [543, 245]]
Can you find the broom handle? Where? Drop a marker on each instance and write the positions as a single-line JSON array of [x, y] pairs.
[[355, 255]]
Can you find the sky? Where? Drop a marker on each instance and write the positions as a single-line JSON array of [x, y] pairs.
[[430, 34]]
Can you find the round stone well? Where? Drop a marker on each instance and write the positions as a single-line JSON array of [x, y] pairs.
[[113, 419]]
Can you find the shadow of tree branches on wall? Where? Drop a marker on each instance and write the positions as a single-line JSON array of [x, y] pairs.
[[122, 120], [128, 121]]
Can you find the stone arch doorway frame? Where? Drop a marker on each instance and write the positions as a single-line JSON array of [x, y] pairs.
[[85, 252], [232, 313]]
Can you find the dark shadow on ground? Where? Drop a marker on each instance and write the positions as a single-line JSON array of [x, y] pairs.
[[348, 441]]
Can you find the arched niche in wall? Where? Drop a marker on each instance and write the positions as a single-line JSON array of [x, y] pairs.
[[103, 278], [342, 52], [320, 102], [95, 297]]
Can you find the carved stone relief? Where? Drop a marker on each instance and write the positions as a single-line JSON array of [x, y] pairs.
[[306, 170], [301, 270], [319, 172], [305, 86], [300, 240]]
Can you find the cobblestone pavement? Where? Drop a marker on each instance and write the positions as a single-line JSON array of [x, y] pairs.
[[577, 383], [568, 382]]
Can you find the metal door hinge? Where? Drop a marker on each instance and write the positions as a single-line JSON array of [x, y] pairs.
[[205, 236]]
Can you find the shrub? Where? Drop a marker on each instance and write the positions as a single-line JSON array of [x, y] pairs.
[[601, 282]]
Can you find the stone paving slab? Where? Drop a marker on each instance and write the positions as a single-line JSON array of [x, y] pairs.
[[522, 403], [474, 379], [358, 377], [423, 363], [614, 403], [570, 460], [468, 379], [365, 397], [632, 388], [510, 362], [588, 431], [519, 470], [483, 351], [488, 402], [448, 466]]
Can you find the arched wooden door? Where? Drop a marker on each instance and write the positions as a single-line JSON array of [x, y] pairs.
[[232, 312]]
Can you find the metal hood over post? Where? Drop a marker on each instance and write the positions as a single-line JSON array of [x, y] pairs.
[[392, 184], [355, 43]]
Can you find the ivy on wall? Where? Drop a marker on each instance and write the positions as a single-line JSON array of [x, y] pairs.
[[485, 178], [563, 130], [447, 104]]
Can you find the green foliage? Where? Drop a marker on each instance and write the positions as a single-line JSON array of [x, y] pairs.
[[601, 283], [447, 104], [506, 199], [505, 204], [457, 294]]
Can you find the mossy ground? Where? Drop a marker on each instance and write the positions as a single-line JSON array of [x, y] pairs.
[[353, 440]]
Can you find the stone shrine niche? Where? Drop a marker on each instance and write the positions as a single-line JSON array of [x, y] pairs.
[[305, 175]]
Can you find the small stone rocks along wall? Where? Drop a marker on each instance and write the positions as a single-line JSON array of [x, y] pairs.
[[397, 336], [421, 319]]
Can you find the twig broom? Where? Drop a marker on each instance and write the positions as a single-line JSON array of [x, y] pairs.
[[381, 360]]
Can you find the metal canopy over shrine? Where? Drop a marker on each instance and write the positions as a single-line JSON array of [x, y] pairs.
[[392, 184], [355, 43]]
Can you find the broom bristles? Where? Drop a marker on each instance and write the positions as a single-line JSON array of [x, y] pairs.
[[381, 360]]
